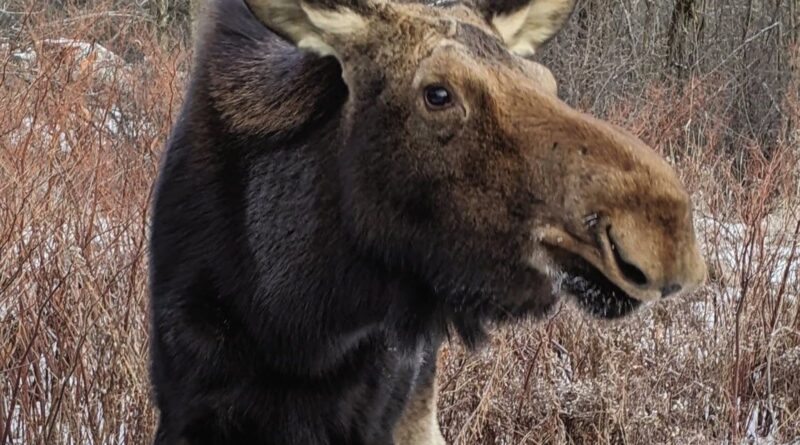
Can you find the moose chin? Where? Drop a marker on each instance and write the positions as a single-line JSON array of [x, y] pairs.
[[350, 181]]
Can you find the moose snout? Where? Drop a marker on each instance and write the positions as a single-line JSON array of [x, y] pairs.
[[641, 237], [647, 259], [652, 264]]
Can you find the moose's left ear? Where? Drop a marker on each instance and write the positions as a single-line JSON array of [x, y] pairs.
[[314, 25], [525, 25]]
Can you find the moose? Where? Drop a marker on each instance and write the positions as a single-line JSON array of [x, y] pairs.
[[352, 182]]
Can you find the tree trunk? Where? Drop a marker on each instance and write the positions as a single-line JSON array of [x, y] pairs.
[[197, 9], [682, 28]]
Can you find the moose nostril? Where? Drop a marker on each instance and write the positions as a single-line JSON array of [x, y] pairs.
[[630, 271], [670, 289]]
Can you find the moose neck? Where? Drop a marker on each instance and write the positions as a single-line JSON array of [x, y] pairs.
[[267, 117]]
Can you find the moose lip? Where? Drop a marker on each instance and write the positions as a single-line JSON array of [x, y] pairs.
[[593, 292]]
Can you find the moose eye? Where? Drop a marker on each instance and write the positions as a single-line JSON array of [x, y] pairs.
[[437, 97]]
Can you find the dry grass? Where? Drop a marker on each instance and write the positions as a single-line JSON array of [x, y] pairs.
[[80, 137]]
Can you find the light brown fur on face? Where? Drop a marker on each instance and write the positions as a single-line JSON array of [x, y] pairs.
[[591, 168], [641, 236]]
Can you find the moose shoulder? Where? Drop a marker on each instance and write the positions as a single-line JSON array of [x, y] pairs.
[[347, 182]]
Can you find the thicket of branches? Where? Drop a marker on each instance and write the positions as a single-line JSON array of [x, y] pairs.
[[610, 51], [615, 50]]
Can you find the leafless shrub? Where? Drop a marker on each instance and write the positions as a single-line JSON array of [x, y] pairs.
[[614, 51], [79, 142]]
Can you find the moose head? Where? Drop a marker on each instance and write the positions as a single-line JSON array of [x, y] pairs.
[[459, 164]]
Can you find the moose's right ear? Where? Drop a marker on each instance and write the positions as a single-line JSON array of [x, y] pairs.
[[316, 27], [524, 25]]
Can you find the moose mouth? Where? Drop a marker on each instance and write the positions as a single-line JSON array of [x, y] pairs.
[[596, 270], [593, 292], [583, 279]]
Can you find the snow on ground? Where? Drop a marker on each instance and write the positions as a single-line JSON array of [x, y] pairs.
[[67, 133], [104, 64], [81, 60], [737, 253], [727, 246]]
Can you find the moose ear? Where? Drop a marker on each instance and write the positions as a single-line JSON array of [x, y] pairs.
[[314, 26], [525, 25]]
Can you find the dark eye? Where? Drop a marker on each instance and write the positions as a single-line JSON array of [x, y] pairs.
[[437, 97]]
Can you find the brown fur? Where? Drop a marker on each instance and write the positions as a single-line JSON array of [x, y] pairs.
[[418, 424], [237, 89], [511, 101]]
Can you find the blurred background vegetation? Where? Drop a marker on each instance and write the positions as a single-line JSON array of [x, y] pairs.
[[610, 50]]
